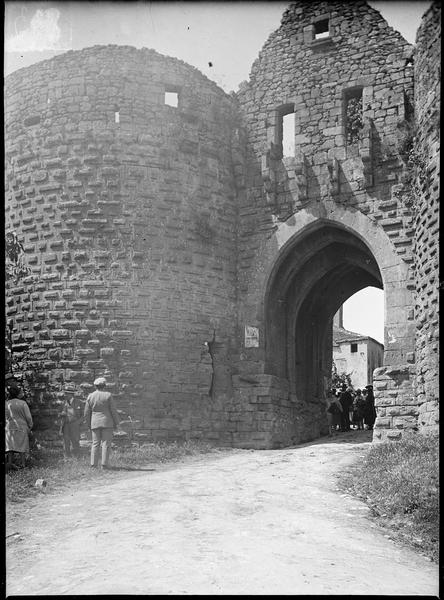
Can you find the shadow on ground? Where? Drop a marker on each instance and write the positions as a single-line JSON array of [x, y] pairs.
[[128, 469], [341, 437]]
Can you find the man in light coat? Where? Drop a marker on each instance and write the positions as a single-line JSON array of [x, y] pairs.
[[18, 425], [101, 417]]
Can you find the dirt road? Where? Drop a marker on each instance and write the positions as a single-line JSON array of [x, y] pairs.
[[236, 522]]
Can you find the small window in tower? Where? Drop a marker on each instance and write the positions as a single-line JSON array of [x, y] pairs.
[[353, 347], [172, 99], [321, 29], [354, 121]]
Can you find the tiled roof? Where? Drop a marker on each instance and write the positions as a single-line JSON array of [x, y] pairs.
[[343, 335]]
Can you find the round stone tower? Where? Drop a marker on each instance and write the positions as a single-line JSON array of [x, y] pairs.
[[119, 183]]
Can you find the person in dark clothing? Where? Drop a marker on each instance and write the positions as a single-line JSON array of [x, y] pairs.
[[369, 408], [334, 411], [71, 417], [346, 400], [358, 410]]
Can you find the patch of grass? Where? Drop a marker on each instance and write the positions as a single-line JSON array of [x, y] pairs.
[[400, 483], [158, 452], [58, 472]]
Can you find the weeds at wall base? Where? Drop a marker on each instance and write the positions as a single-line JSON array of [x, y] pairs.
[[399, 481]]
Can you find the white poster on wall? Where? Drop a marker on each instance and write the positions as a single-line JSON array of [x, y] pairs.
[[251, 337]]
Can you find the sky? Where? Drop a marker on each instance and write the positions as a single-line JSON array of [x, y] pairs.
[[228, 35], [364, 313], [221, 39]]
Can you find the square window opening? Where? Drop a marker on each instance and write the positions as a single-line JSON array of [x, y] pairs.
[[321, 29], [172, 99], [353, 347]]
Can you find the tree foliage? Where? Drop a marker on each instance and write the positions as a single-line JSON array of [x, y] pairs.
[[15, 266], [339, 379], [15, 270]]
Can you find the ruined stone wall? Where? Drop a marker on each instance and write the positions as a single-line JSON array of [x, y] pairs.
[[313, 75], [426, 170], [127, 211], [329, 178]]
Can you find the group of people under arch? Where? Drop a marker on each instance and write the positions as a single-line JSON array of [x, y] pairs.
[[349, 409]]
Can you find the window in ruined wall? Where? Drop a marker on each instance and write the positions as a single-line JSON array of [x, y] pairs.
[[322, 29], [353, 110], [172, 96], [353, 347], [319, 32], [286, 130]]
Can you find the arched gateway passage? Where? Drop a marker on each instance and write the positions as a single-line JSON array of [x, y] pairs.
[[317, 271]]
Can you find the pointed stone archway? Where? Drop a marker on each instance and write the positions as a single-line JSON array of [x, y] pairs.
[[307, 270], [322, 267]]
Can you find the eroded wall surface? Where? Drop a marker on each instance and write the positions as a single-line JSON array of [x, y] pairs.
[[127, 211]]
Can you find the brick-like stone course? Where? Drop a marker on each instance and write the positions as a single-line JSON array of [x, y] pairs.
[[396, 406], [427, 172]]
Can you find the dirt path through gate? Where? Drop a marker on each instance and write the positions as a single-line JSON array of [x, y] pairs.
[[237, 522]]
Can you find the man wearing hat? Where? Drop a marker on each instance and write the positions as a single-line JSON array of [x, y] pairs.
[[71, 419], [101, 417]]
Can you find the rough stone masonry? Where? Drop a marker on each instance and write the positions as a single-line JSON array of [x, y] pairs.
[[177, 250]]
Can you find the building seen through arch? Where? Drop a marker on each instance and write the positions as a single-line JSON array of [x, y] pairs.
[[355, 354]]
